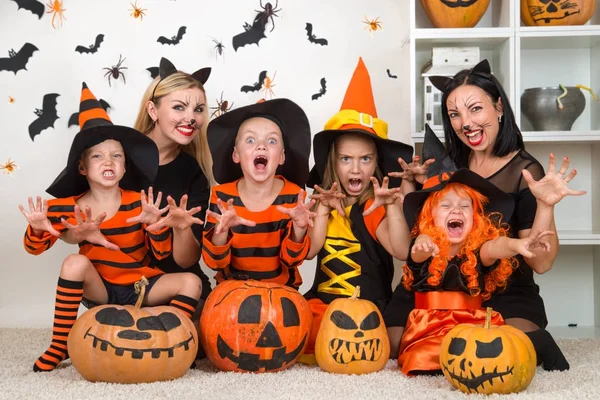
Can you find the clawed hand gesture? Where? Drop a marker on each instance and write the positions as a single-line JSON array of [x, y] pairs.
[[300, 215], [525, 246], [228, 217], [37, 216], [179, 217], [88, 230], [424, 245], [331, 198], [151, 212], [413, 172], [383, 195], [553, 187]]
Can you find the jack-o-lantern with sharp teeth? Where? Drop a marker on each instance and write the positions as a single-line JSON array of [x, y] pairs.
[[129, 344], [488, 359], [352, 338], [557, 12], [254, 326], [455, 13]]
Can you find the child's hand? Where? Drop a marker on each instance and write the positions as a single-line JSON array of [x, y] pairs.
[[88, 230], [525, 246], [37, 218], [179, 217], [413, 172], [331, 198], [300, 215], [151, 212], [552, 188], [383, 195], [424, 246], [228, 217]]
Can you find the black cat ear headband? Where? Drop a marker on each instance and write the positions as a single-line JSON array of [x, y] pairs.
[[166, 68], [481, 69]]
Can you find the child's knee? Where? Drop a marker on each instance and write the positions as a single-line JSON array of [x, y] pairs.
[[74, 267], [193, 283]]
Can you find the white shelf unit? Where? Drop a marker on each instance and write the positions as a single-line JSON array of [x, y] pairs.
[[522, 57]]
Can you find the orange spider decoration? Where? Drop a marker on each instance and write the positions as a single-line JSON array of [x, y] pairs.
[[372, 25], [137, 12], [222, 107], [56, 8], [11, 99], [268, 85], [9, 167]]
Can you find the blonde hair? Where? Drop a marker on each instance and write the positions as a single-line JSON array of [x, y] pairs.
[[198, 147], [330, 175]]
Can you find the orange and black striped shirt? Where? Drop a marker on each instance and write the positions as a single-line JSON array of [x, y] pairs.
[[263, 252], [123, 267]]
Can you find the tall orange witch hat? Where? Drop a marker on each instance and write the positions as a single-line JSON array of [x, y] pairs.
[[141, 152], [358, 114]]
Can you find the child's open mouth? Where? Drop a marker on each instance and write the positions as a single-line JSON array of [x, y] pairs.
[[355, 185], [260, 162], [455, 228], [108, 174]]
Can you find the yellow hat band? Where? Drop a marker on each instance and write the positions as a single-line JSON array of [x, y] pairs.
[[353, 117]]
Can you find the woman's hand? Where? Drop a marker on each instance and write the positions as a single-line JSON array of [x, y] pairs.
[[413, 172]]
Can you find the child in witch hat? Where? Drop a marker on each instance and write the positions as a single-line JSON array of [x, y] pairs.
[[119, 230], [359, 224], [257, 220], [459, 255]]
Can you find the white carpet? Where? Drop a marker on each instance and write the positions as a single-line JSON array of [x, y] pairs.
[[20, 347]]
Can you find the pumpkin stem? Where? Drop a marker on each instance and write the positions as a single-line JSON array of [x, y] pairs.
[[488, 318], [356, 293], [140, 287]]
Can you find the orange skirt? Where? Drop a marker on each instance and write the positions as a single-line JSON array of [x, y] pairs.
[[427, 326]]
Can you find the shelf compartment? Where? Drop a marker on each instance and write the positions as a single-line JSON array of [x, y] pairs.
[[591, 24], [574, 238]]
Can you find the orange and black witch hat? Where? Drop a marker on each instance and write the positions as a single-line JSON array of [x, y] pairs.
[[442, 172], [141, 152], [358, 115]]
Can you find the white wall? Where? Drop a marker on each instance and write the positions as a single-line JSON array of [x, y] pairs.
[[27, 283]]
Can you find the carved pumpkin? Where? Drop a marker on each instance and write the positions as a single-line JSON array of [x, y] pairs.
[[129, 344], [253, 326], [488, 359], [455, 13], [352, 338], [557, 12]]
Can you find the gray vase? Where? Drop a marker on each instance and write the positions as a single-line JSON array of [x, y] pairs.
[[540, 107]]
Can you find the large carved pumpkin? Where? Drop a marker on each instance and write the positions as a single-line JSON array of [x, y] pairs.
[[352, 338], [129, 344], [488, 359], [455, 13], [252, 326], [557, 12]]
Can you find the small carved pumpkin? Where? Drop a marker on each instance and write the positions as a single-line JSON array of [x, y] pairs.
[[253, 326], [484, 359], [129, 344], [352, 338], [455, 13], [557, 12]]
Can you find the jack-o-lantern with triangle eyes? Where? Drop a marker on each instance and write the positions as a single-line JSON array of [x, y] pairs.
[[557, 12], [253, 326], [352, 338], [455, 13], [487, 359]]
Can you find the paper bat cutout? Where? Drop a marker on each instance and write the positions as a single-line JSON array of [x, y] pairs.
[[74, 119], [390, 74], [34, 6], [257, 86], [153, 71], [92, 48], [313, 38], [17, 61], [46, 116], [174, 39], [253, 34], [322, 91]]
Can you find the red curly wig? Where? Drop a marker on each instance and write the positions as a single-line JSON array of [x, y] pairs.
[[485, 228]]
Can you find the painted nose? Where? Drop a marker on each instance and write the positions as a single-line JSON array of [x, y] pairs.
[[466, 127], [192, 121]]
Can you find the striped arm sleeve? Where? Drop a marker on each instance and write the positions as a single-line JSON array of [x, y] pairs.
[[216, 257], [161, 242], [292, 253], [37, 245]]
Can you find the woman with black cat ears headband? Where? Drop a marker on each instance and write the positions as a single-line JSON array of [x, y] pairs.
[[481, 134]]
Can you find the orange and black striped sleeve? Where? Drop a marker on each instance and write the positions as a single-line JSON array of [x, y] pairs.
[[292, 254], [160, 242], [57, 209], [215, 257]]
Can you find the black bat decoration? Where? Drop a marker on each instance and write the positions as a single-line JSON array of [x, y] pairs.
[[322, 91], [253, 34], [74, 119], [174, 39], [46, 116], [34, 6], [92, 48], [153, 71], [390, 74], [313, 38], [257, 86], [17, 61]]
